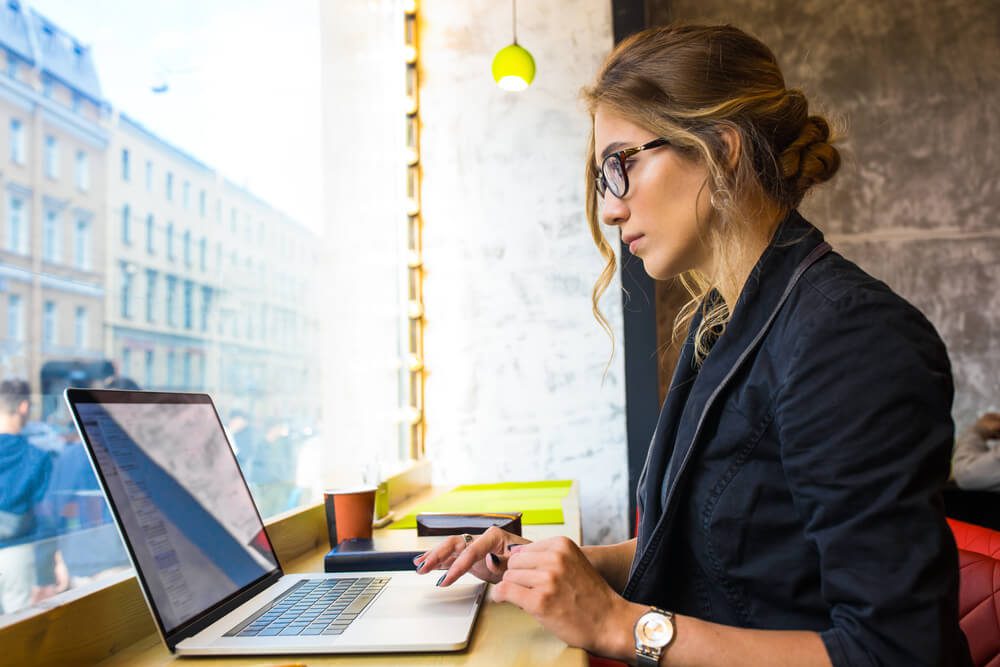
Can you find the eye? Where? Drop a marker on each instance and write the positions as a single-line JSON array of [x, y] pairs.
[[629, 163]]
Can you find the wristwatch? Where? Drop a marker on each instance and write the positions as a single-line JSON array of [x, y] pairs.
[[653, 633]]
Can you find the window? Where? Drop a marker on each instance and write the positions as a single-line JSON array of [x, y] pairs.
[[47, 86], [126, 165], [16, 141], [206, 305], [186, 373], [150, 232], [15, 318], [171, 370], [170, 186], [186, 194], [188, 304], [126, 224], [82, 171], [17, 227], [128, 274], [170, 300], [170, 241], [76, 102], [148, 375], [49, 323], [150, 296], [187, 247], [12, 65], [126, 368], [149, 176], [81, 249], [201, 203], [51, 157], [80, 323], [202, 251], [51, 240]]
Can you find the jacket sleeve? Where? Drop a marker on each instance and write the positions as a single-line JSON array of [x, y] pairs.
[[974, 464], [864, 418]]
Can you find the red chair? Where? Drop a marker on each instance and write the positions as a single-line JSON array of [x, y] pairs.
[[971, 537]]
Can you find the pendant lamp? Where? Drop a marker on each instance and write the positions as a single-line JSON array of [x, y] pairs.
[[513, 66]]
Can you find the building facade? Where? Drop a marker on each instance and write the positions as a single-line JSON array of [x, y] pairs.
[[54, 139]]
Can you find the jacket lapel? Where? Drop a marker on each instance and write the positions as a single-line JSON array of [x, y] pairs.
[[795, 246]]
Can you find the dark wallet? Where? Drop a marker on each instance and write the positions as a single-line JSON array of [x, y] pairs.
[[447, 523]]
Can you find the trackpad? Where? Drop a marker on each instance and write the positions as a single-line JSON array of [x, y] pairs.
[[430, 601]]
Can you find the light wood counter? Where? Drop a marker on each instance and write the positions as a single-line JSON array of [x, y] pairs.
[[502, 635]]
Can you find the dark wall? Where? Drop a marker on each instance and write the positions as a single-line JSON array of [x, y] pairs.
[[916, 86]]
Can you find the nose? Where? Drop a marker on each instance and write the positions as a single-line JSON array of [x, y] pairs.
[[614, 211]]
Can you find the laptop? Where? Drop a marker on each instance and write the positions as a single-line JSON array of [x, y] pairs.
[[203, 558]]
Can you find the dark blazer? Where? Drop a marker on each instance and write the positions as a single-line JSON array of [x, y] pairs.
[[793, 481]]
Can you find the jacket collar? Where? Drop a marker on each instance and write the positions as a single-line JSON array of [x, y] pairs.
[[794, 246]]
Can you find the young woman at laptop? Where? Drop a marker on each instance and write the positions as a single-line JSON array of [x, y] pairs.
[[790, 509]]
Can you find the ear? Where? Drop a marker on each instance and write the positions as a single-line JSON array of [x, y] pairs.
[[731, 140], [22, 409]]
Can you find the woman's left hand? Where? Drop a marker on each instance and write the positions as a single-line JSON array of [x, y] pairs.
[[553, 581]]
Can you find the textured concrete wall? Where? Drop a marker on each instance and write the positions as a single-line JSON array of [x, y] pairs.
[[917, 202], [514, 357]]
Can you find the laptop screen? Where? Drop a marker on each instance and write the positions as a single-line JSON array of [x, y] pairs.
[[180, 498]]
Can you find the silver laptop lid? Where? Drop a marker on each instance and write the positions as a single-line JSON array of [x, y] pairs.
[[180, 501]]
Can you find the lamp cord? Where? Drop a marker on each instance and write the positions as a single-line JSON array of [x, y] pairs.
[[513, 5]]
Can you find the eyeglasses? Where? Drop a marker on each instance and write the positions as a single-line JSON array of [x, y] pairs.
[[614, 176]]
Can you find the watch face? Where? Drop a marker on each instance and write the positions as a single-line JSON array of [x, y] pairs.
[[654, 630]]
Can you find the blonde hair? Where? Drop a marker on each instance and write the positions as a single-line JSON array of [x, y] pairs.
[[691, 84]]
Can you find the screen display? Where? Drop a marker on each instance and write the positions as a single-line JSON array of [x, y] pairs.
[[182, 503]]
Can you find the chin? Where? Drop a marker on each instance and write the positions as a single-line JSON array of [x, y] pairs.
[[659, 270]]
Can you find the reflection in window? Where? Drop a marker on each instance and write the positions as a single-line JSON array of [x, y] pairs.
[[15, 318], [51, 240], [127, 273], [171, 298], [51, 157], [126, 165], [150, 231], [126, 366], [150, 295], [17, 232], [148, 370], [80, 323], [81, 252], [170, 186], [49, 323], [188, 304], [170, 241], [126, 224], [82, 171]]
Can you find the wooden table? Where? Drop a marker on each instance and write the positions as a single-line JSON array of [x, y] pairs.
[[503, 634]]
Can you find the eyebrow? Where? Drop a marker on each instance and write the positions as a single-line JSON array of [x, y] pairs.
[[612, 148]]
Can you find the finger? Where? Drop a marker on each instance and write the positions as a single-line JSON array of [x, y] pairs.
[[534, 579], [489, 542], [495, 564], [520, 596], [444, 551], [531, 560]]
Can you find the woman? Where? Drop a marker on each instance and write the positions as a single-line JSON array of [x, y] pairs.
[[790, 507]]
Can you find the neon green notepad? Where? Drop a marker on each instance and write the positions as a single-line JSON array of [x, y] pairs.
[[539, 502]]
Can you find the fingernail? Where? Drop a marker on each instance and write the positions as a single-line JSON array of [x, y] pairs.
[[441, 579], [512, 547], [495, 560], [416, 558], [421, 565]]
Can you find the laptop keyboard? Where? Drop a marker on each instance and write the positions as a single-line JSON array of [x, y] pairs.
[[312, 607]]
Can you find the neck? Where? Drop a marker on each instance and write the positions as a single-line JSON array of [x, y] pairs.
[[10, 424], [760, 229]]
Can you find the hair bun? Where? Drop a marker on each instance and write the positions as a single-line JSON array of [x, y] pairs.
[[810, 159]]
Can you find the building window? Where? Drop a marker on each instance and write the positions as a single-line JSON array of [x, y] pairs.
[[12, 64], [16, 141], [76, 102], [232, 221], [150, 295], [149, 176], [206, 305], [126, 224], [148, 375], [150, 231], [170, 241], [49, 323], [126, 165], [186, 194], [51, 157], [170, 186], [188, 304], [51, 240], [171, 370], [202, 252], [126, 369], [201, 203], [82, 171], [47, 86], [171, 298], [186, 377], [127, 277], [187, 247], [17, 227], [81, 249], [80, 322], [218, 210], [15, 317]]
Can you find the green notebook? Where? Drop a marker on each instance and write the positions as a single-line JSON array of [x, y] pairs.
[[539, 502]]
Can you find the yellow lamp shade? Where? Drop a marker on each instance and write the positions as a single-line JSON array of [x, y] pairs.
[[513, 67]]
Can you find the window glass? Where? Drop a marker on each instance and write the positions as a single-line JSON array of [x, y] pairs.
[[233, 304]]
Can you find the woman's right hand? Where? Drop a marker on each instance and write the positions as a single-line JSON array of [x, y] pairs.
[[484, 556]]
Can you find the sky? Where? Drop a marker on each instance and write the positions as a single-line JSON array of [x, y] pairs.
[[243, 81]]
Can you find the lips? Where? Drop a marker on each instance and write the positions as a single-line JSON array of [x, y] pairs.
[[631, 240]]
